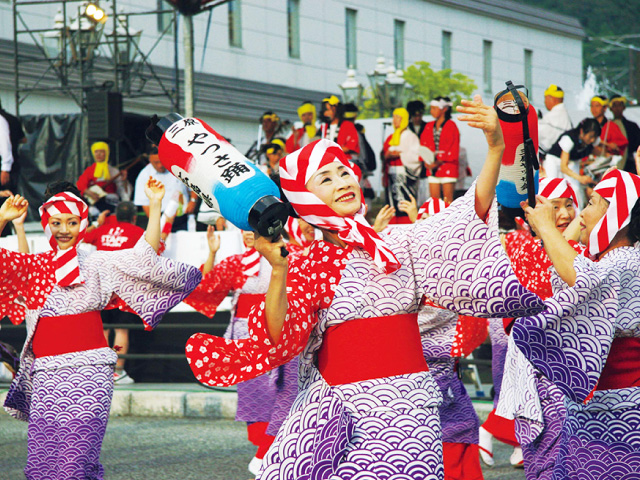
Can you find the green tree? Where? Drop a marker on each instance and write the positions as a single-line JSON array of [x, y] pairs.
[[427, 83]]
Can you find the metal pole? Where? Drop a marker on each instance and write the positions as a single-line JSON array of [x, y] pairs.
[[188, 64], [176, 67], [15, 56]]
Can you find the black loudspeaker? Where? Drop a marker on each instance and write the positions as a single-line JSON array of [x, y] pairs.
[[104, 113]]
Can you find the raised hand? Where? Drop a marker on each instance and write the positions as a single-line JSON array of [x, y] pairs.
[[383, 218], [410, 207], [542, 217], [154, 190], [14, 207], [213, 240], [484, 117]]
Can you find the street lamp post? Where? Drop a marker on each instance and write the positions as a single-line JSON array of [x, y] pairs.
[[351, 88], [388, 86]]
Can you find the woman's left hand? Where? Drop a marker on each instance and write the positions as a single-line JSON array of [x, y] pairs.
[[410, 207], [542, 217], [154, 190]]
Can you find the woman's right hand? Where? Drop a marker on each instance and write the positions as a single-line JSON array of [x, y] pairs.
[[586, 180], [271, 251], [13, 207]]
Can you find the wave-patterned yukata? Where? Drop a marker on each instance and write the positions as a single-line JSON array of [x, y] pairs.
[[66, 398], [569, 343], [383, 427], [440, 335], [527, 396]]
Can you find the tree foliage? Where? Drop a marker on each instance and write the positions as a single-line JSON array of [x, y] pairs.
[[427, 83]]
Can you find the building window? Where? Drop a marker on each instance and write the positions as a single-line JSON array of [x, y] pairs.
[[398, 44], [446, 50], [528, 66], [235, 24], [163, 19], [293, 17], [487, 73], [351, 46]]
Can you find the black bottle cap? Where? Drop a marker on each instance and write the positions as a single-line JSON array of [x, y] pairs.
[[159, 125], [268, 216]]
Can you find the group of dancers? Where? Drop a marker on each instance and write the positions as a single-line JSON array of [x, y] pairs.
[[355, 335]]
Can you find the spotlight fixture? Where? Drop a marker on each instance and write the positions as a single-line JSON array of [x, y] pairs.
[[94, 13]]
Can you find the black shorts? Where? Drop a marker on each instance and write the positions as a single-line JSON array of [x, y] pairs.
[[116, 316]]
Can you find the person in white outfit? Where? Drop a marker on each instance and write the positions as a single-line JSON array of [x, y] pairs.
[[552, 125]]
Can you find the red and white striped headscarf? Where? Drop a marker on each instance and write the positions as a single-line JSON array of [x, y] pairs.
[[295, 171], [621, 189], [66, 261], [432, 206], [295, 232], [557, 188]]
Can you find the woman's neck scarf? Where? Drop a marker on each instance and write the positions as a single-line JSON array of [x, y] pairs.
[[306, 108], [66, 261], [621, 189], [102, 168], [395, 137], [295, 171]]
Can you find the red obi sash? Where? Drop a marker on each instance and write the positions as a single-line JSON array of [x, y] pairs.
[[369, 348], [246, 301], [68, 333], [622, 369]]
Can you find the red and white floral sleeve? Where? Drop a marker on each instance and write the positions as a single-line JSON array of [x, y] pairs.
[[25, 282], [311, 283], [216, 285]]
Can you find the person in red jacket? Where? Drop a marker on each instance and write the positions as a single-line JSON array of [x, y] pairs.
[[612, 140], [442, 137], [113, 185], [339, 130], [308, 132]]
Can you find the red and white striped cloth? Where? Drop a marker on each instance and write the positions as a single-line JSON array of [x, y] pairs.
[[251, 263], [295, 171], [295, 232], [432, 206], [557, 188], [622, 190], [65, 261]]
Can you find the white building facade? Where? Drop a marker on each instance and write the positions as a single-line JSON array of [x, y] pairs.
[[274, 54]]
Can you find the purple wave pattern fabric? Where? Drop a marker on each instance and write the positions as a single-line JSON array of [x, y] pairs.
[[569, 342], [284, 381], [370, 429], [67, 421], [601, 440], [541, 454], [499, 344], [458, 418]]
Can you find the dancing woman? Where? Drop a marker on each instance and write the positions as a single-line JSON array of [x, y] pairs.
[[65, 382], [367, 404], [587, 341]]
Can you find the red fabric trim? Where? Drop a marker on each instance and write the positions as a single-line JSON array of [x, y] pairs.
[[256, 432], [622, 369], [68, 333], [502, 429], [246, 301], [385, 347], [461, 461], [263, 448]]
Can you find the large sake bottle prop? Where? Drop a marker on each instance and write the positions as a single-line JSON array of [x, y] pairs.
[[518, 179], [220, 175]]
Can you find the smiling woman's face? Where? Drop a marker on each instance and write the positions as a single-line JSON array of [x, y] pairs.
[[565, 212], [65, 229], [591, 215], [334, 185]]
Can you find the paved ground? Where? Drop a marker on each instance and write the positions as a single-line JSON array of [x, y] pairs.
[[174, 449]]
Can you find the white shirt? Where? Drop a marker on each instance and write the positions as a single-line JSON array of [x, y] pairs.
[[172, 187], [408, 148], [5, 146], [554, 123]]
